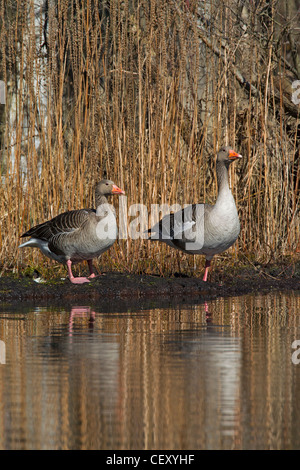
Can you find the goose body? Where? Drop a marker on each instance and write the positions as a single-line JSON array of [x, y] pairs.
[[204, 228], [78, 235]]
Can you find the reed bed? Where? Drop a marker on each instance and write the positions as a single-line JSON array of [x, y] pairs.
[[144, 93]]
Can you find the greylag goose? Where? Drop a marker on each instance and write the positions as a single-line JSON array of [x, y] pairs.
[[78, 235], [204, 228]]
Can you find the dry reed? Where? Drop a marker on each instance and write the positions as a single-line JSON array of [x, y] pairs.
[[144, 92]]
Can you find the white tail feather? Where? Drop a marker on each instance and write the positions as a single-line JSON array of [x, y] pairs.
[[34, 242]]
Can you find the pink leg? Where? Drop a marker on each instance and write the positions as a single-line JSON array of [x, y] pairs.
[[207, 265], [91, 268], [75, 280]]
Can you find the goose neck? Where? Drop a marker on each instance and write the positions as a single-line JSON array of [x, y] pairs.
[[100, 199], [222, 177]]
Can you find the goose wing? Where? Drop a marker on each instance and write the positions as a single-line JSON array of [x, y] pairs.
[[63, 223], [184, 229], [177, 225]]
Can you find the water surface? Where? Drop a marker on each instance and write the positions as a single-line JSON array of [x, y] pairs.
[[214, 375]]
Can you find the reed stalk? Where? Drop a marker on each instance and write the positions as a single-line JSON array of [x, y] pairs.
[[144, 93]]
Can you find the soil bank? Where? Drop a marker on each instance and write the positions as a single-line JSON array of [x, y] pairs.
[[116, 287]]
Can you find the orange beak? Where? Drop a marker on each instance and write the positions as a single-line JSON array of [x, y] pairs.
[[117, 190], [233, 155]]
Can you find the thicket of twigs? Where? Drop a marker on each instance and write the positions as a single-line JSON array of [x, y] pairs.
[[145, 92]]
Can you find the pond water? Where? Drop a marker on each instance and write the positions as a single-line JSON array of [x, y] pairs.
[[224, 374]]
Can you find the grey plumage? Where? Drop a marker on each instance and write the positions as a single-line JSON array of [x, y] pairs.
[[78, 235], [204, 228]]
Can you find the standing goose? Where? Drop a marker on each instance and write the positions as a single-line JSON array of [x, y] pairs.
[[204, 228], [78, 235]]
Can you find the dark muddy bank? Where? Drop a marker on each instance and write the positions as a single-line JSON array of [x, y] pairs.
[[122, 287]]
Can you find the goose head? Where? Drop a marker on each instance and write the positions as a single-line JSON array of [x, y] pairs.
[[227, 155], [107, 188]]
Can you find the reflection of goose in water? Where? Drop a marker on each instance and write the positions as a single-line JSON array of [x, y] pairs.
[[208, 314], [98, 351], [82, 312], [88, 355], [216, 361], [223, 356]]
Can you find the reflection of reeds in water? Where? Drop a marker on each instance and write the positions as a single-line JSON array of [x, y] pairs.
[[157, 378], [145, 96]]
